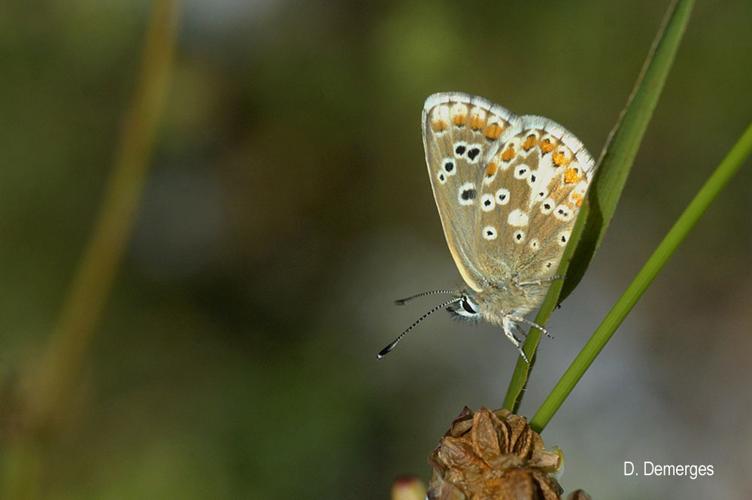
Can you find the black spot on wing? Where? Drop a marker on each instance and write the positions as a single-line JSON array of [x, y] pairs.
[[468, 194]]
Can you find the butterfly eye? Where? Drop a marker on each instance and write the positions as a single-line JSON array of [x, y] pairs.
[[469, 307]]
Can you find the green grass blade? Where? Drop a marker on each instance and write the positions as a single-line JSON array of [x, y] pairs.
[[614, 166], [686, 222], [624, 140]]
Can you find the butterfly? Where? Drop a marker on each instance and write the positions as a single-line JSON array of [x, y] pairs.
[[508, 190]]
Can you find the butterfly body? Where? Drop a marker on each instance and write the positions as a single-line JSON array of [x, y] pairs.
[[508, 189]]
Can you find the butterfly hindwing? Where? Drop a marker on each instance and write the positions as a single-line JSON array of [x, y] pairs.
[[459, 132], [533, 185]]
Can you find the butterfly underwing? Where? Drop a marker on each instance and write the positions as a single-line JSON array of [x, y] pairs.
[[508, 190]]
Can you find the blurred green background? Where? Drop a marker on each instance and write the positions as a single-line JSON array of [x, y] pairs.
[[287, 205]]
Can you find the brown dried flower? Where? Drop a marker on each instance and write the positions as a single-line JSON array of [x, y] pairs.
[[490, 454]]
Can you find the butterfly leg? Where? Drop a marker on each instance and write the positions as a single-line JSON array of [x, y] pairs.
[[520, 319], [508, 328]]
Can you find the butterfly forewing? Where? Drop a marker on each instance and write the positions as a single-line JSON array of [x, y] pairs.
[[534, 184], [459, 134]]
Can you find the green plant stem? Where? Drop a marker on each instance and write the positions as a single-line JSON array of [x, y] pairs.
[[686, 222], [614, 165], [51, 379]]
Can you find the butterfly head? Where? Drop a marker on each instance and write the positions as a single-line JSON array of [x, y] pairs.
[[496, 301], [466, 307]]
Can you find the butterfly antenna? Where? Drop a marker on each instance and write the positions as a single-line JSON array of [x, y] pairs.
[[394, 343], [402, 302]]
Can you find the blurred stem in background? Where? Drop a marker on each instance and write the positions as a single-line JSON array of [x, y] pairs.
[[49, 382], [683, 226], [614, 165]]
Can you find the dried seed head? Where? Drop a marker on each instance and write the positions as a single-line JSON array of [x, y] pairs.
[[488, 454]]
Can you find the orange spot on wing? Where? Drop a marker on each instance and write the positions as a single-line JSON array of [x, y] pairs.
[[476, 122], [529, 143], [546, 146], [491, 169], [438, 125], [571, 175], [508, 154], [459, 120], [577, 198], [492, 132], [559, 159]]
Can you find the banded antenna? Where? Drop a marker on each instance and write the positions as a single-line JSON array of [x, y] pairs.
[[402, 302], [389, 348]]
